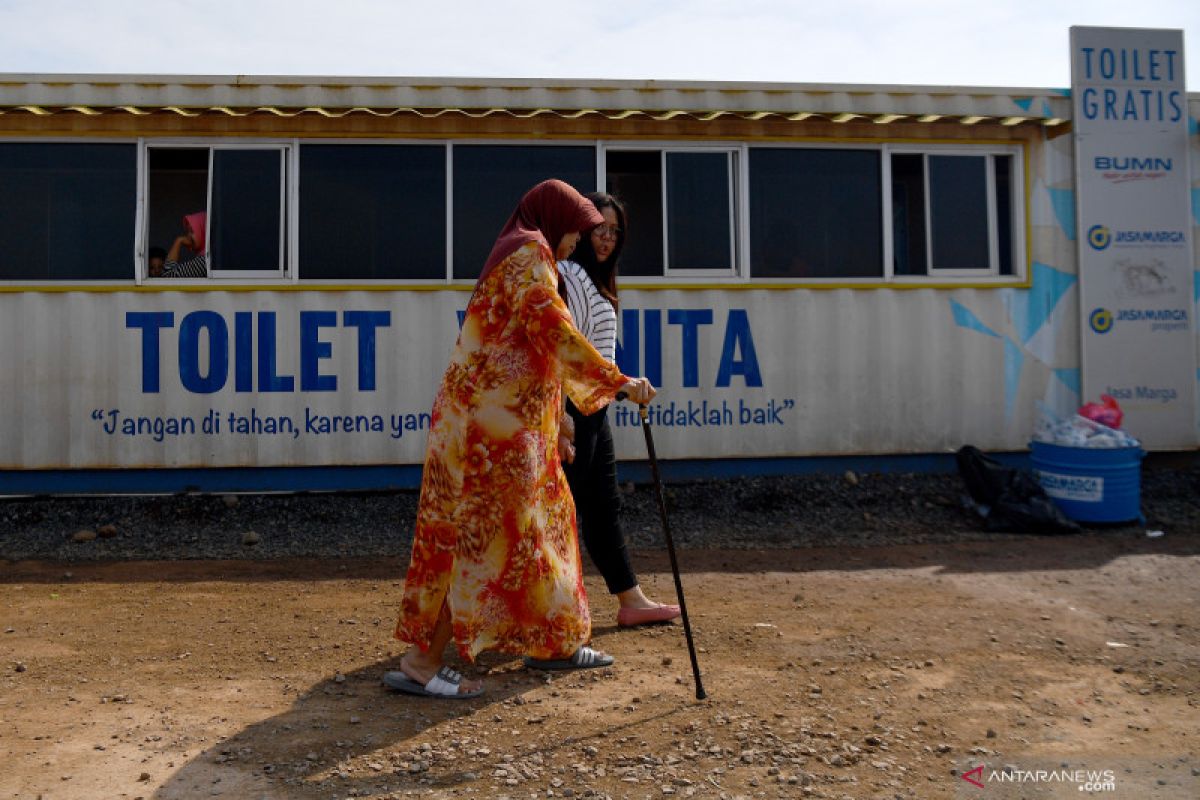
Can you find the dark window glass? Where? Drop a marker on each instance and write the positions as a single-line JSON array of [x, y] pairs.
[[958, 211], [372, 211], [489, 181], [815, 213], [1004, 230], [908, 214], [67, 211], [698, 211], [244, 227], [178, 186], [635, 178]]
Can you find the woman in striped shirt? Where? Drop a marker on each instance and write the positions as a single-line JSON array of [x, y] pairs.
[[195, 229], [589, 285]]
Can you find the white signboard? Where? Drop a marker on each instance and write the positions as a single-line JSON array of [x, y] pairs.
[[1134, 228]]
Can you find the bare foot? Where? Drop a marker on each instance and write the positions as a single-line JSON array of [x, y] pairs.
[[636, 598], [421, 667]]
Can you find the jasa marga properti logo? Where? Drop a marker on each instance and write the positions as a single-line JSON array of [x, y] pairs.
[[1160, 320], [1101, 237]]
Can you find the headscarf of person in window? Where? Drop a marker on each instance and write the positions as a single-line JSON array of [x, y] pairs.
[[547, 213], [196, 224]]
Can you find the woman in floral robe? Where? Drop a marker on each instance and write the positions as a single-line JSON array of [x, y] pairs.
[[495, 559]]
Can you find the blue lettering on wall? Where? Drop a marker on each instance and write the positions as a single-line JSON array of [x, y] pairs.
[[189, 352], [629, 353], [690, 320], [312, 350], [211, 374], [629, 344], [243, 351], [367, 322], [150, 322], [268, 380], [641, 336], [737, 337]]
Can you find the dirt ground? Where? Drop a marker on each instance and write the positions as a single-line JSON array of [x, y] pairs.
[[1062, 667]]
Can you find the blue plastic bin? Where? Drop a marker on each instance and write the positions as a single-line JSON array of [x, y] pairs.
[[1091, 484]]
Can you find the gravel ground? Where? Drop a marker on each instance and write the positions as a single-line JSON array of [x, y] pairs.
[[790, 511]]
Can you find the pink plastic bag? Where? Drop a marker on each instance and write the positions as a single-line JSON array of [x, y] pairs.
[[1107, 412]]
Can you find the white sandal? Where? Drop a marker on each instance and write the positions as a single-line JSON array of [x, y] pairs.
[[444, 684]]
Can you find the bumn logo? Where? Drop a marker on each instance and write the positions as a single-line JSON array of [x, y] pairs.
[[1133, 164]]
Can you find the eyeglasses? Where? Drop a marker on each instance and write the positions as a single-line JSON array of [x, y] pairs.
[[607, 232]]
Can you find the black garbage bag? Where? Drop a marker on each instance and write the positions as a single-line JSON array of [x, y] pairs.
[[1009, 499]]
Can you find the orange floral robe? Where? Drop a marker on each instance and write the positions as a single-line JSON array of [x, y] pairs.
[[495, 535]]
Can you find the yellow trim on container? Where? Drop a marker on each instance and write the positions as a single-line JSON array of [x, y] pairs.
[[739, 286]]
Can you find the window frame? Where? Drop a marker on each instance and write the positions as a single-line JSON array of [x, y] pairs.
[[740, 221], [737, 209], [885, 210], [103, 282], [288, 217], [499, 142], [1017, 190], [445, 280], [942, 276]]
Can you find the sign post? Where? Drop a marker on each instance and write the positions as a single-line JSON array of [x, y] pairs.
[[1134, 229]]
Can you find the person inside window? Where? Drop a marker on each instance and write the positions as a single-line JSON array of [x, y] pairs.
[[155, 260], [195, 228]]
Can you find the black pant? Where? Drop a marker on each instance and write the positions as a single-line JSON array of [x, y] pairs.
[[593, 479]]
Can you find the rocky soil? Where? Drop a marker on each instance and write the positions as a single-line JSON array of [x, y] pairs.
[[858, 637], [803, 510]]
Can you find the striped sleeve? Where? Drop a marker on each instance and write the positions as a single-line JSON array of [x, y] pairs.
[[577, 300], [193, 268], [593, 313]]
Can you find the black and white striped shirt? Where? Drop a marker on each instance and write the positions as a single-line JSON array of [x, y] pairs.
[[192, 268], [594, 316]]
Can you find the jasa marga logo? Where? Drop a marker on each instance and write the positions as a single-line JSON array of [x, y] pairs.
[[1101, 320], [1100, 237]]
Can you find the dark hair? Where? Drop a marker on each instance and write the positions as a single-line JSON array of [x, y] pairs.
[[157, 252], [604, 275]]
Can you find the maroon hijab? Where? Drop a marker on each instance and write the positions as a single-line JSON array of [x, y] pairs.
[[547, 213]]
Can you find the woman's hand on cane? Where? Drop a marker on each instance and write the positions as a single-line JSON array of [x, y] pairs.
[[638, 391]]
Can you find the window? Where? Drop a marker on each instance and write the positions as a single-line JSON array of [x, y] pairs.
[[952, 213], [247, 223], [489, 181], [242, 192], [66, 211], [375, 212], [681, 210], [354, 211], [815, 213]]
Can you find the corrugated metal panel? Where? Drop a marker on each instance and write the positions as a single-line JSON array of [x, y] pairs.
[[843, 372], [330, 94]]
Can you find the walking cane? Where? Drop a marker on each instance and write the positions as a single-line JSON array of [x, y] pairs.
[[662, 510]]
